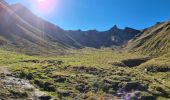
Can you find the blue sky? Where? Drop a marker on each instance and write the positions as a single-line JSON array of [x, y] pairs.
[[103, 14]]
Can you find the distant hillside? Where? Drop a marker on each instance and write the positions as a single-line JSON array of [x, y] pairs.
[[154, 40], [23, 31], [93, 38]]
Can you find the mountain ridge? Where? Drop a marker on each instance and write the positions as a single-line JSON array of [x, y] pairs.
[[59, 31], [34, 29]]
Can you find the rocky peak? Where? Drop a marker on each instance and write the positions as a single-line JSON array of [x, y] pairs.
[[114, 28]]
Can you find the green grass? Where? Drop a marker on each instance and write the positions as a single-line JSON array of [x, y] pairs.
[[153, 41], [86, 73]]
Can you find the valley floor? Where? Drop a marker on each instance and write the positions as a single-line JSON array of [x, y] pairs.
[[86, 74]]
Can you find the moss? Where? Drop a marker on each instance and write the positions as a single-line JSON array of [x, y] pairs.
[[86, 74]]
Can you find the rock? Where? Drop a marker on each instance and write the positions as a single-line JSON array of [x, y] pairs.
[[128, 86], [45, 97], [12, 88], [49, 87], [130, 96]]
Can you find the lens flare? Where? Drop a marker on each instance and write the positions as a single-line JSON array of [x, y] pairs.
[[44, 7], [41, 0]]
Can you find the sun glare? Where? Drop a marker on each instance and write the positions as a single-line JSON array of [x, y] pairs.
[[45, 6], [41, 0]]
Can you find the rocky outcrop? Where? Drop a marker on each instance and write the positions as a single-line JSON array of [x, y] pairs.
[[16, 88]]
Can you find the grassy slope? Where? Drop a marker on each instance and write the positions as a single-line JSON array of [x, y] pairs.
[[154, 41], [87, 73]]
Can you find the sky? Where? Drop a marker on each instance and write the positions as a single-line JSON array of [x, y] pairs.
[[99, 14]]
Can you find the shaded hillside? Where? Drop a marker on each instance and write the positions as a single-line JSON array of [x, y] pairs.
[[55, 33], [94, 38], [77, 39], [18, 35], [154, 40]]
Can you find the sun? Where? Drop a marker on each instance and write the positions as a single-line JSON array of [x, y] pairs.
[[41, 0], [44, 7]]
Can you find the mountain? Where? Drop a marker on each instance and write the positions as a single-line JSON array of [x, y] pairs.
[[23, 31], [55, 33], [18, 35], [153, 41], [77, 39], [82, 74], [94, 38]]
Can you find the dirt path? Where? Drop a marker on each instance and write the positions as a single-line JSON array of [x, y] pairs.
[[16, 88]]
